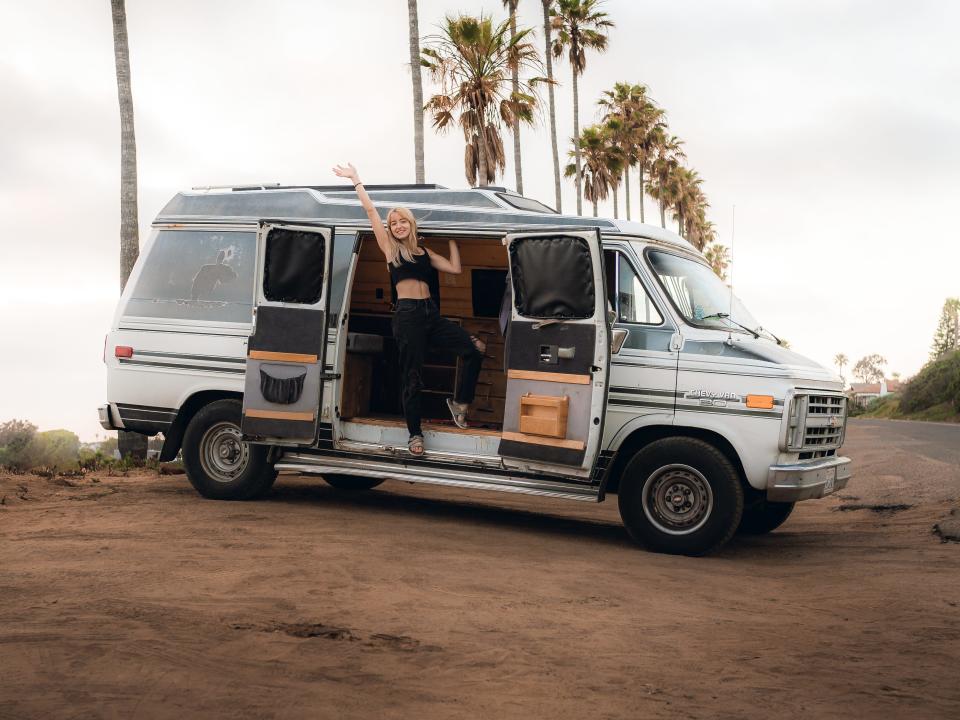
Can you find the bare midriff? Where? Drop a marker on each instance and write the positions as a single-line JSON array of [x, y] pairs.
[[411, 289]]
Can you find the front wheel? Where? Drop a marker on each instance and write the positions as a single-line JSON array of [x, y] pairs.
[[764, 516], [352, 482], [219, 464], [680, 496]]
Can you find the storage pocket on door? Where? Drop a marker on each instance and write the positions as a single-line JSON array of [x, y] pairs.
[[282, 384]]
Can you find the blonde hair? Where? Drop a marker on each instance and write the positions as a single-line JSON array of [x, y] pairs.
[[402, 251]]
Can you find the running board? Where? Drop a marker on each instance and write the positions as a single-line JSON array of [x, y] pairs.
[[318, 464]]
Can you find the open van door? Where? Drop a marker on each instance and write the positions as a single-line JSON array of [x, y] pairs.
[[558, 354], [285, 353]]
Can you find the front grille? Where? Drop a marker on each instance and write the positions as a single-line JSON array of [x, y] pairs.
[[817, 424]]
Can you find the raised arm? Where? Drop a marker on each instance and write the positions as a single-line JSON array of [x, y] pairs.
[[379, 231], [452, 266]]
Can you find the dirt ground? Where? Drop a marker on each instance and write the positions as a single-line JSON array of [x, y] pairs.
[[130, 597]]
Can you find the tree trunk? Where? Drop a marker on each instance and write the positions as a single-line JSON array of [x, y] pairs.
[[129, 233], [130, 443], [616, 211], [643, 192], [594, 208], [553, 111], [626, 189], [680, 223], [515, 81], [483, 157], [417, 92], [576, 143], [663, 215]]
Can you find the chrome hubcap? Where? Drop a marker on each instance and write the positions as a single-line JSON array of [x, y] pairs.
[[677, 499], [223, 455]]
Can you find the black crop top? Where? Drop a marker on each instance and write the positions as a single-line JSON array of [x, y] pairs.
[[419, 269]]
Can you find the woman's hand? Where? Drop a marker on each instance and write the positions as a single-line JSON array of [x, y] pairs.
[[347, 171], [451, 266]]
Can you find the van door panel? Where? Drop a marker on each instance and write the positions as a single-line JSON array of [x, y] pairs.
[[558, 352], [285, 354]]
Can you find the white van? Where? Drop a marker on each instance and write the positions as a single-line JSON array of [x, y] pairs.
[[254, 333]]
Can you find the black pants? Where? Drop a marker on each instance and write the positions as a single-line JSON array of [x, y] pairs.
[[418, 324]]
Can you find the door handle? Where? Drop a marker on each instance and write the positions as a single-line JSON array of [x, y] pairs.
[[566, 353]]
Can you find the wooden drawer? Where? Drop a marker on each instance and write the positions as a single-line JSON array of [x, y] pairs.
[[544, 415]]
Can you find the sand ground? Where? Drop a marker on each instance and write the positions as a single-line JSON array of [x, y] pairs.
[[130, 597]]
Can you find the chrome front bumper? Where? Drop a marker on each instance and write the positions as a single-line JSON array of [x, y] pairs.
[[106, 420], [806, 480]]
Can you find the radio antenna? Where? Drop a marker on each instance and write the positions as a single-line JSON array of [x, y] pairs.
[[733, 234]]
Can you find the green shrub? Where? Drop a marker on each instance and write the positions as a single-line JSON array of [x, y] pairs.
[[937, 383]]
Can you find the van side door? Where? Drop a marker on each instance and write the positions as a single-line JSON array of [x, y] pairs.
[[285, 353], [558, 350]]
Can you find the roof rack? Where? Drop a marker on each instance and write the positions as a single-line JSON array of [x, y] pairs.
[[246, 186], [348, 188]]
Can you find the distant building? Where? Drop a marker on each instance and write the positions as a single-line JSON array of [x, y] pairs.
[[862, 393]]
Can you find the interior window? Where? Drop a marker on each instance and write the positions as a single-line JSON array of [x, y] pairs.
[[293, 267], [626, 293], [196, 275]]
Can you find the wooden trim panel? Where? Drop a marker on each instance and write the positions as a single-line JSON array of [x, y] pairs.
[[279, 415], [548, 377], [281, 356], [537, 440]]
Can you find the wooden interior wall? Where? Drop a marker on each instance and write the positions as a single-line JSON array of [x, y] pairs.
[[371, 294]]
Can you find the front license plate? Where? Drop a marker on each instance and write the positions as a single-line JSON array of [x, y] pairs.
[[831, 482]]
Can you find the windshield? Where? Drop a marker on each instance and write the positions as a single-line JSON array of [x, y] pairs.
[[698, 294]]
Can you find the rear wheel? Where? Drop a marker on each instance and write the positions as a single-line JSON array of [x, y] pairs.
[[764, 516], [219, 464], [351, 482], [680, 496]]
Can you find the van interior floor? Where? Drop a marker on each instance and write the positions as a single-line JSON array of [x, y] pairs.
[[427, 426]]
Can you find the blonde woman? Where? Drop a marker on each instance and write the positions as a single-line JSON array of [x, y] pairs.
[[417, 323]]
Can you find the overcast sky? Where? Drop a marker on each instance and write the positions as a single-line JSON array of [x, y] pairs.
[[832, 125]]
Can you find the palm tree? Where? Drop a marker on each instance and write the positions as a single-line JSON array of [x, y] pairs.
[[130, 443], [840, 360], [719, 258], [662, 185], [622, 105], [129, 234], [602, 162], [414, 33], [511, 7], [579, 25], [472, 60], [547, 10], [688, 198], [651, 133]]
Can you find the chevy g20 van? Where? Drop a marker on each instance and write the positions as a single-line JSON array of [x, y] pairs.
[[254, 333]]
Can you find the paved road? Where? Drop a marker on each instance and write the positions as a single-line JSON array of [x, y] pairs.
[[903, 461], [938, 441]]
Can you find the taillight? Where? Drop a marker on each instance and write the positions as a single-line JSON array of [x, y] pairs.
[[123, 351]]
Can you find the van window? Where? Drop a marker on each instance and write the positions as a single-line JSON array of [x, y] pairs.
[[293, 267], [552, 277], [196, 275], [627, 294]]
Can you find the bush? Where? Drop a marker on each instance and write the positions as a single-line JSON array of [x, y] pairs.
[[937, 383], [17, 445]]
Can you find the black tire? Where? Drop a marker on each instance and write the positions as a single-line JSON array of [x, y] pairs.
[[680, 496], [220, 465], [763, 516], [352, 482]]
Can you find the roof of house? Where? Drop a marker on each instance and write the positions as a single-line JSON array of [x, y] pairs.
[[873, 388]]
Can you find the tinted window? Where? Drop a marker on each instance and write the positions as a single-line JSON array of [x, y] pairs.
[[293, 266], [196, 275], [552, 277]]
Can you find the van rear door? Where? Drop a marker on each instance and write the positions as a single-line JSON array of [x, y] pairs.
[[285, 352], [558, 350]]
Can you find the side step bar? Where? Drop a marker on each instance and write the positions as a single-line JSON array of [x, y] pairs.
[[319, 464]]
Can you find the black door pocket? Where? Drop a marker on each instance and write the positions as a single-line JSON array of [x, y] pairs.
[[283, 391]]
